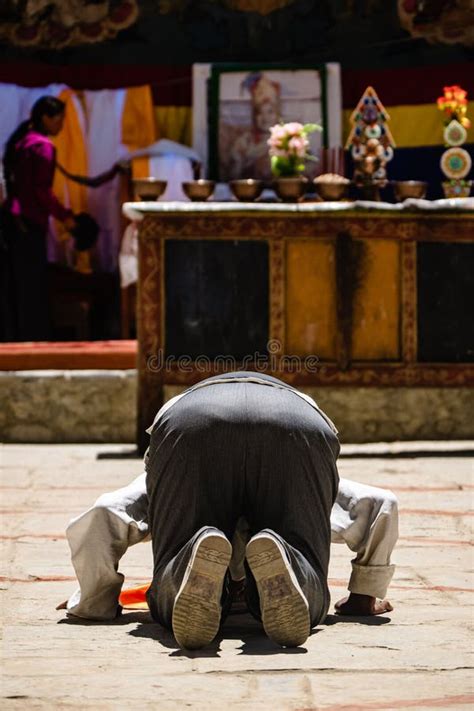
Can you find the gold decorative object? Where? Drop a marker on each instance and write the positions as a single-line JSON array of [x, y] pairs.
[[198, 190], [147, 189], [246, 190]]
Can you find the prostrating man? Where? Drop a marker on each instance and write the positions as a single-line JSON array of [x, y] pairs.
[[365, 517], [236, 445]]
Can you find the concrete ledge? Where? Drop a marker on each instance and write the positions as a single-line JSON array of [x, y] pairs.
[[53, 406], [68, 406]]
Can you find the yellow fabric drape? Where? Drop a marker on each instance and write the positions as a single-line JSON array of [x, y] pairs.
[[72, 155], [415, 125], [139, 126], [175, 123]]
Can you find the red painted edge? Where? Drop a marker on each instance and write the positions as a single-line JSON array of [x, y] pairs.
[[409, 85], [172, 84], [85, 355]]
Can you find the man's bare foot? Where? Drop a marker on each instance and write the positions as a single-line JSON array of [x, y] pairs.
[[363, 605]]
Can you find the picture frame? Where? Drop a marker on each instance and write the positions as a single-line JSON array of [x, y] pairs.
[[234, 106]]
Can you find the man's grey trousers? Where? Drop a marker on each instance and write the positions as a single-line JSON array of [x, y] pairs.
[[233, 449]]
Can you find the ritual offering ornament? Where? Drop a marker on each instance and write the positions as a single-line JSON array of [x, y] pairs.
[[455, 161], [371, 144], [454, 134]]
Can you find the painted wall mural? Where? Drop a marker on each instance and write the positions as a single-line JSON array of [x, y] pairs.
[[55, 24], [445, 21], [262, 7], [357, 33]]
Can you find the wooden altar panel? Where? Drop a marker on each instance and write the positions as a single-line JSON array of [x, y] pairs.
[[445, 291], [376, 310], [311, 321], [216, 298]]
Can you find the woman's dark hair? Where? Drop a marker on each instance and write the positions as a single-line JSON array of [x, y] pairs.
[[44, 106]]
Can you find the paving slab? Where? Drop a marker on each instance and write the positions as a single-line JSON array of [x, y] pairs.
[[418, 656]]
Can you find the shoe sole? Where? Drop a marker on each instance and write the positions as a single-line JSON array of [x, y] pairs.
[[283, 606], [197, 608]]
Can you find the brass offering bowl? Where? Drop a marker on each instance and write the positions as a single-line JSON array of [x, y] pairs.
[[246, 190], [404, 189], [147, 189], [198, 189], [331, 190], [290, 189]]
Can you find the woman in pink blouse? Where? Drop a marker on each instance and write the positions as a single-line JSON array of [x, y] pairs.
[[29, 163]]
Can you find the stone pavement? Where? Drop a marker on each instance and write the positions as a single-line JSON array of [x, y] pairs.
[[419, 656]]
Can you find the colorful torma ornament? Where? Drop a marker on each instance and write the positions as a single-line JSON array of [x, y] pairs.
[[371, 144]]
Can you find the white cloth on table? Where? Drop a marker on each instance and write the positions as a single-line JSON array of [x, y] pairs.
[[175, 170], [128, 256], [168, 161]]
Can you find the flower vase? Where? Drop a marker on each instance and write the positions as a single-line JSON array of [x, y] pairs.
[[290, 189]]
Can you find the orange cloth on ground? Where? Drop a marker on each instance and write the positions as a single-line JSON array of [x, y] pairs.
[[139, 126], [134, 598]]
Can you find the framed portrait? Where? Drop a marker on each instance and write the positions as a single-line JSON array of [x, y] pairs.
[[235, 105]]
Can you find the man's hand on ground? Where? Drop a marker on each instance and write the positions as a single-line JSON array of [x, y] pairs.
[[362, 605]]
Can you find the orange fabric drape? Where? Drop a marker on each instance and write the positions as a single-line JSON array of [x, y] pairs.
[[139, 126]]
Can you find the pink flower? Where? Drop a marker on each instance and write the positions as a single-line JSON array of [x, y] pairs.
[[278, 132], [294, 128], [298, 145]]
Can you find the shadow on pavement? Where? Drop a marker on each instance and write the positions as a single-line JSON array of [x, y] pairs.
[[126, 454], [374, 621], [409, 454], [127, 618], [245, 628]]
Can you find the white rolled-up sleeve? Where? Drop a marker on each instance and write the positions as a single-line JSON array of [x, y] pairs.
[[98, 539], [365, 518]]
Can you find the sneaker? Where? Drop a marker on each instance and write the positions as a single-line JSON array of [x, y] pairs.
[[197, 606], [283, 605]]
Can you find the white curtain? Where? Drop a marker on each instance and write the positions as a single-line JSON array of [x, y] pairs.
[[104, 148]]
